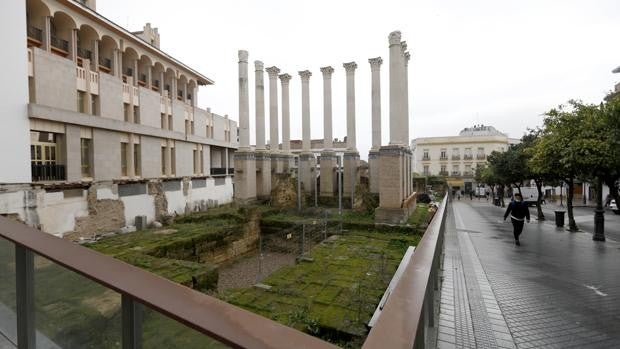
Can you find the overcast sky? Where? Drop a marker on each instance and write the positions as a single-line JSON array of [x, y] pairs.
[[501, 63]]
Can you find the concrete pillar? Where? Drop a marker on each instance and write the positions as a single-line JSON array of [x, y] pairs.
[[136, 73], [116, 64], [72, 153], [328, 156], [406, 58], [396, 103], [373, 155], [259, 84], [244, 107], [73, 45], [168, 158], [162, 83], [47, 34], [244, 158], [130, 160], [350, 69], [95, 61], [286, 157], [306, 158]]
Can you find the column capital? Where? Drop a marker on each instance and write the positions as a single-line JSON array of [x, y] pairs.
[[350, 67], [375, 63], [403, 47], [243, 56], [285, 78], [394, 38], [327, 71], [258, 65], [273, 72], [407, 58], [305, 75]]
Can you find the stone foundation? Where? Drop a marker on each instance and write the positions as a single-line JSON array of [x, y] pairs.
[[263, 175], [328, 174], [351, 175], [395, 202], [245, 177]]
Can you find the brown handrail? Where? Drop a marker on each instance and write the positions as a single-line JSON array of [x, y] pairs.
[[402, 321], [217, 319]]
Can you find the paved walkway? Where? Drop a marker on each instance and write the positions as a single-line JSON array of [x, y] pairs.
[[557, 290]]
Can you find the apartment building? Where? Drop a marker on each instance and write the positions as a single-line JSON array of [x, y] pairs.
[[456, 157], [109, 117]]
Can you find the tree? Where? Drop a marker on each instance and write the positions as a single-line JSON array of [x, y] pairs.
[[528, 143]]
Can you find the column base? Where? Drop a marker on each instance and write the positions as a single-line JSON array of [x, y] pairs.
[[307, 170], [373, 171], [245, 177], [263, 175], [396, 202], [351, 175], [328, 174]]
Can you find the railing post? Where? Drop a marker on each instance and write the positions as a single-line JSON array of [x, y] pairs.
[[24, 286], [131, 323]]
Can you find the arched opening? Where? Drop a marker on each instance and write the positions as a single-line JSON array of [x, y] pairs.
[[191, 92], [61, 31], [157, 78], [170, 81], [36, 14], [144, 71], [130, 57], [87, 38], [182, 88], [107, 47]]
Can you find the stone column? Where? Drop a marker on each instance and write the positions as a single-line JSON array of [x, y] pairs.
[[276, 164], [396, 103], [328, 156], [373, 154], [351, 156], [73, 46], [406, 58], [395, 200], [168, 158], [307, 160], [47, 34], [95, 61], [263, 161], [286, 156], [244, 159]]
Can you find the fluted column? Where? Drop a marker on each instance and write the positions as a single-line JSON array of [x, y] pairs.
[[373, 155], [396, 104], [259, 83], [350, 69], [286, 114], [375, 68], [406, 58], [244, 108], [273, 108], [328, 143], [305, 110]]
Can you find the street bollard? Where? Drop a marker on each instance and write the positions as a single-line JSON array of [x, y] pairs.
[[559, 218]]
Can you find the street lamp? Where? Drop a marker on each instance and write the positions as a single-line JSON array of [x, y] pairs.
[[599, 218]]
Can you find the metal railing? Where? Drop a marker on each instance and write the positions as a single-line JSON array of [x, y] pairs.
[[468, 173], [468, 157], [409, 317], [47, 172], [443, 158], [231, 170], [456, 173], [443, 173], [84, 53], [142, 294], [456, 157], [480, 156], [59, 43], [218, 171], [35, 33], [426, 158]]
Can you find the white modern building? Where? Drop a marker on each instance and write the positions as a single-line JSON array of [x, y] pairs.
[[99, 125], [456, 157]]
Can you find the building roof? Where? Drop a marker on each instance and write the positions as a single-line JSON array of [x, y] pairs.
[[481, 130]]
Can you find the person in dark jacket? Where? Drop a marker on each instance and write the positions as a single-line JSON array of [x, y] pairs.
[[518, 212]]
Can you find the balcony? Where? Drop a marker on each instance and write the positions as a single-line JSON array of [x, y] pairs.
[[83, 54], [443, 158], [456, 173], [35, 36], [456, 157], [231, 170], [47, 172], [426, 158], [480, 157], [468, 173], [155, 85], [142, 80], [59, 46], [468, 157], [105, 65], [443, 173]]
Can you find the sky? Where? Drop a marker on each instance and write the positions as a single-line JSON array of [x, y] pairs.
[[493, 62]]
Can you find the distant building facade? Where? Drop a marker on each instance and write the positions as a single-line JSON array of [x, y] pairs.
[[106, 108], [456, 157]]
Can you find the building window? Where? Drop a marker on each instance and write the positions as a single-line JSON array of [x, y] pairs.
[[126, 112], [443, 171], [163, 121], [136, 114], [94, 105], [163, 161], [191, 126], [170, 123], [85, 147], [426, 170], [480, 155], [173, 161], [136, 160], [456, 154], [468, 155], [444, 154], [196, 164], [81, 102], [426, 156], [124, 147]]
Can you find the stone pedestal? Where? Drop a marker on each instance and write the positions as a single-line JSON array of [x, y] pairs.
[[351, 175], [395, 204], [328, 174], [263, 175], [288, 162], [373, 169], [245, 177], [307, 165]]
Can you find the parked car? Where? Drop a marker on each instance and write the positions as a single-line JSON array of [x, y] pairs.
[[614, 207]]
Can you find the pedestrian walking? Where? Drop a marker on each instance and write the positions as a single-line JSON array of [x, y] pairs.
[[519, 213]]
